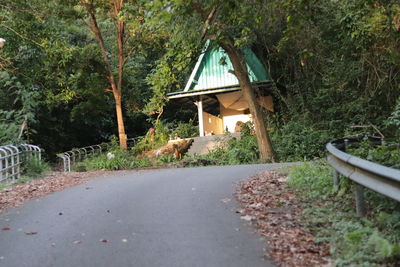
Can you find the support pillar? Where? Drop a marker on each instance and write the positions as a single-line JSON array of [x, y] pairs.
[[199, 105]]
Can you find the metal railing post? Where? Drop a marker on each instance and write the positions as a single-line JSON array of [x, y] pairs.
[[1, 163], [360, 201], [365, 174], [336, 178], [346, 144]]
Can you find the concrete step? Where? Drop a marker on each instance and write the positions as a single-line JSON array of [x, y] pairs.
[[202, 145]]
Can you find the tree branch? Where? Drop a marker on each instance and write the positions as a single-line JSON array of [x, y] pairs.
[[96, 30], [210, 19], [21, 36]]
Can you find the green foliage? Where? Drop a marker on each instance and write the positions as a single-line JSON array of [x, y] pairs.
[[151, 141], [296, 140], [394, 120], [370, 241], [185, 129], [315, 177], [121, 161], [34, 167], [163, 132], [166, 159], [335, 64], [18, 107], [232, 151], [388, 155], [114, 159]]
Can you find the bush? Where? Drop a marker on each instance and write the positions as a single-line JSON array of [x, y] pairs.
[[113, 159], [120, 161], [386, 155], [149, 142], [315, 178], [295, 141], [185, 129], [231, 151], [34, 167]]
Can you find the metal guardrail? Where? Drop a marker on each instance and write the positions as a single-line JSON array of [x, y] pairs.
[[12, 157], [364, 173], [70, 157]]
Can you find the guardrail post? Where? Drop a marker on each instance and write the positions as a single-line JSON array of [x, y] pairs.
[[336, 178], [360, 201], [1, 164], [346, 145]]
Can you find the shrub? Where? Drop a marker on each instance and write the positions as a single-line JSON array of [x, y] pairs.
[[185, 129], [296, 141], [113, 159], [315, 178], [149, 141], [232, 151], [34, 167], [388, 155]]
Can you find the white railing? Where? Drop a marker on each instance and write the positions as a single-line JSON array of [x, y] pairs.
[[68, 158], [379, 178], [12, 157]]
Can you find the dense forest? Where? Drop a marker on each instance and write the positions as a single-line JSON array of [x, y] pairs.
[[66, 65]]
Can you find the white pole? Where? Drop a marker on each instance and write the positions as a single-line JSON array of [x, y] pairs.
[[2, 42], [200, 115]]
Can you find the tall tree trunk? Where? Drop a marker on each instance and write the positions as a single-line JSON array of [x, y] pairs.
[[240, 70], [116, 86], [121, 127]]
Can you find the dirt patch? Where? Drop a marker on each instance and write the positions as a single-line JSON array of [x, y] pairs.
[[17, 194], [276, 213]]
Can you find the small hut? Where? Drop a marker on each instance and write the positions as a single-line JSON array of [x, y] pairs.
[[215, 90]]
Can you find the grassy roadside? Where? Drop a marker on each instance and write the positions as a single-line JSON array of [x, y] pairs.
[[330, 214]]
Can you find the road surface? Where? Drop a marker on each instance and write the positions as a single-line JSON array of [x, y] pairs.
[[172, 217]]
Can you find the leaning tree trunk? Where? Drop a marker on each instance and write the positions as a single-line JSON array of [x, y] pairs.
[[120, 120], [115, 85], [240, 70]]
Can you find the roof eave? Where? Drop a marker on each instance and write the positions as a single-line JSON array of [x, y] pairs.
[[180, 94]]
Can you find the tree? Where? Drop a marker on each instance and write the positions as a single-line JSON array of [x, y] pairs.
[[229, 24], [115, 81]]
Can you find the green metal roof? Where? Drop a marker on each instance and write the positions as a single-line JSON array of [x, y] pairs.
[[212, 70]]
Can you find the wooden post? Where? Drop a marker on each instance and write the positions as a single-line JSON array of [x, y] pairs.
[[199, 105]]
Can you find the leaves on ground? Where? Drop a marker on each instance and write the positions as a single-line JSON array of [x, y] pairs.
[[276, 213], [17, 194]]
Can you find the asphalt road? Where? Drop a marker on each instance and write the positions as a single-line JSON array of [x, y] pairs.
[[172, 217]]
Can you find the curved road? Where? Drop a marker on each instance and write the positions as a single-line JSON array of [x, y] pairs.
[[172, 217]]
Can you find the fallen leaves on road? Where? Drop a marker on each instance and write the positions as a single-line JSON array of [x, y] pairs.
[[31, 233], [276, 213], [6, 228], [17, 194]]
